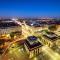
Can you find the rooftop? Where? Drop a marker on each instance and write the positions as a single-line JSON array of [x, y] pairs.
[[32, 42]]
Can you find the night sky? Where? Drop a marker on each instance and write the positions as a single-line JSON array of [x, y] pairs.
[[30, 8]]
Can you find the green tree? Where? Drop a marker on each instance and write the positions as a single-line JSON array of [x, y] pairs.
[[12, 34], [52, 27]]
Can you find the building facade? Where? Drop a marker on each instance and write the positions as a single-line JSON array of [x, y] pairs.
[[33, 46]]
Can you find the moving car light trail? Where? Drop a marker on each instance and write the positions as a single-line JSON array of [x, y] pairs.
[[26, 30]]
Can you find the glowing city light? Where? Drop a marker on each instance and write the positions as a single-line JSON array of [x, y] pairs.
[[51, 53]]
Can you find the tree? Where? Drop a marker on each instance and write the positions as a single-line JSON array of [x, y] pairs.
[[52, 27], [2, 41], [12, 35]]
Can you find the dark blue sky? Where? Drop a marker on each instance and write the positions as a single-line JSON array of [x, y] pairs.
[[30, 8]]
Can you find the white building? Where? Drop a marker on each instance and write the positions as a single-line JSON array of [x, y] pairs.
[[7, 27]]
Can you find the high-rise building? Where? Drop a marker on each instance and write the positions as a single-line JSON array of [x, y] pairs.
[[32, 46]]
